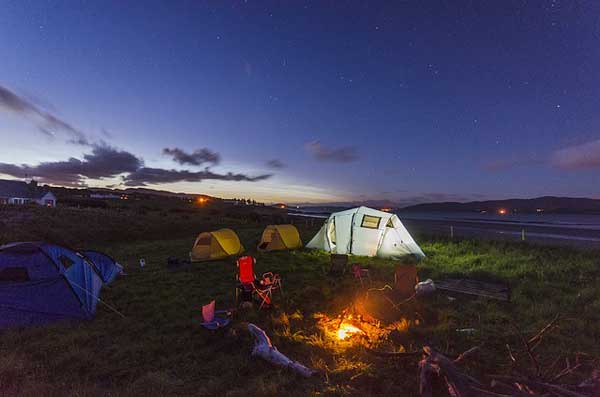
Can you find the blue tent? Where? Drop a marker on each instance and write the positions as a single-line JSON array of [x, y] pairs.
[[107, 267], [41, 283]]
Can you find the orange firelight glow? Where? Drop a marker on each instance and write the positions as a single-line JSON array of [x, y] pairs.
[[201, 200], [347, 330], [502, 211]]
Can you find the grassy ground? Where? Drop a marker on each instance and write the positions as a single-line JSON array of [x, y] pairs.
[[159, 348]]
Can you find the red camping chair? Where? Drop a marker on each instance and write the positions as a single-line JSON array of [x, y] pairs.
[[360, 273], [249, 286]]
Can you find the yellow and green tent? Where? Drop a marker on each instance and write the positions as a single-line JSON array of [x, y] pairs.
[[217, 244], [280, 237]]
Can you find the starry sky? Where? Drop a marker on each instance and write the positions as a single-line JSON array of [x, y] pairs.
[[304, 101]]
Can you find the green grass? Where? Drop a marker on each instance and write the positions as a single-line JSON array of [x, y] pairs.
[[159, 348]]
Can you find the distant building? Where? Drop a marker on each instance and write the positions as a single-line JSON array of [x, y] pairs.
[[18, 192], [105, 196]]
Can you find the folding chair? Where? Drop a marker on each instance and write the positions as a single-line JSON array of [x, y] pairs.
[[271, 280], [210, 318], [339, 264], [249, 286], [405, 279], [360, 273]]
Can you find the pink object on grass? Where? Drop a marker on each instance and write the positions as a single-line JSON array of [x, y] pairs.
[[208, 312]]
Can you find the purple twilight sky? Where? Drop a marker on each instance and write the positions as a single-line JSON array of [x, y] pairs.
[[304, 101]]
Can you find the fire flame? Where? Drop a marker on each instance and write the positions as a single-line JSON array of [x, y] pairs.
[[347, 330]]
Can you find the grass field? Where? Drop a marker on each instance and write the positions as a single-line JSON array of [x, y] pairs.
[[159, 348]]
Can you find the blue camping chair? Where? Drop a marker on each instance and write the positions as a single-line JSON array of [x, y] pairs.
[[212, 319]]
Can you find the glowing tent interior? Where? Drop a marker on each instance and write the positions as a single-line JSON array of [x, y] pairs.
[[365, 231]]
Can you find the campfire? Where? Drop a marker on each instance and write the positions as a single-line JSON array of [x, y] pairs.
[[346, 330], [356, 329]]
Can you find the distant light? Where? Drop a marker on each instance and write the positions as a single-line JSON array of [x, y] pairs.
[[502, 211]]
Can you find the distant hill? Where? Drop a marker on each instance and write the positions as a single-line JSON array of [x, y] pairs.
[[66, 192], [546, 204], [146, 191]]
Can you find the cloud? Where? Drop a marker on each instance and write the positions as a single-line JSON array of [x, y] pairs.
[[276, 164], [578, 157], [584, 156], [402, 202], [344, 154], [103, 162], [46, 122], [146, 175], [198, 157], [107, 162], [504, 164], [438, 197]]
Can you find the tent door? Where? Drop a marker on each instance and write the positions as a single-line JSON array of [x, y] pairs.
[[267, 239], [331, 235], [367, 235], [202, 247], [343, 234]]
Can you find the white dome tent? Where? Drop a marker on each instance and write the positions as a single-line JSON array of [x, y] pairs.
[[365, 231]]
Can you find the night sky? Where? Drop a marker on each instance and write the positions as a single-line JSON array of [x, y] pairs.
[[405, 101]]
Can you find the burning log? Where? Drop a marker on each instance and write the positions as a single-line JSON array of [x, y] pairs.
[[264, 349], [346, 330]]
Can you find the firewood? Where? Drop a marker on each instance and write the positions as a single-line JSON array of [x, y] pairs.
[[535, 340], [554, 389], [458, 383], [466, 354], [392, 354]]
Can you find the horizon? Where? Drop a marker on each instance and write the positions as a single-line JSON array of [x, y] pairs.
[[347, 204], [305, 102]]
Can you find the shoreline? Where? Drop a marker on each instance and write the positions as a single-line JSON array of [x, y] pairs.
[[574, 234]]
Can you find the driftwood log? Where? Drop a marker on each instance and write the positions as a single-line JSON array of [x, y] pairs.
[[459, 384], [536, 381], [264, 349]]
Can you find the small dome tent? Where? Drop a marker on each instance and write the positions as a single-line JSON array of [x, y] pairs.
[[365, 231], [280, 237], [217, 244], [42, 283]]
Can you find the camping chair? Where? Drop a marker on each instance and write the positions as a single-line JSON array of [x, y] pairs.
[[360, 273], [339, 264], [210, 318], [249, 286], [271, 280], [405, 279]]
